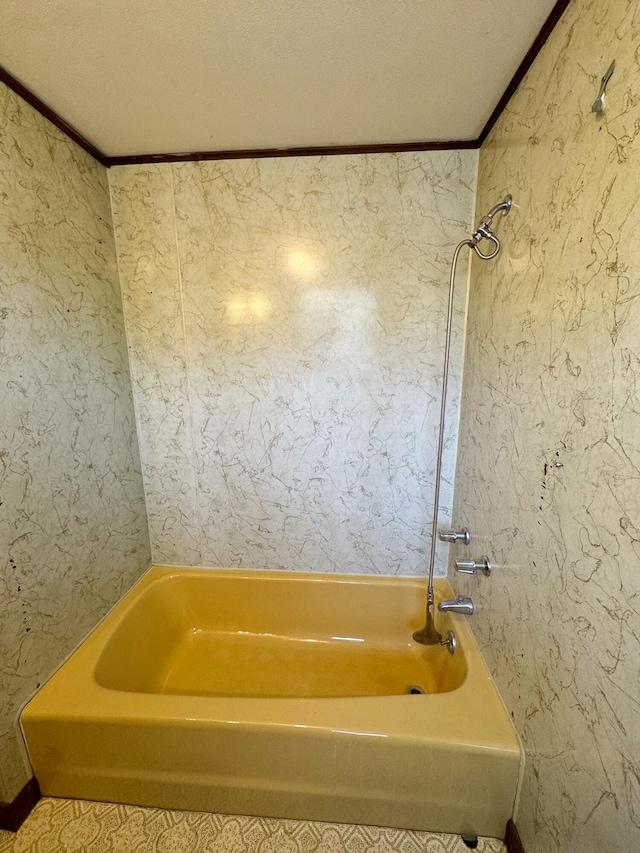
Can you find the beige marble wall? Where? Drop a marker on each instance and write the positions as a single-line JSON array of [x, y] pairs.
[[552, 375], [73, 531], [285, 319]]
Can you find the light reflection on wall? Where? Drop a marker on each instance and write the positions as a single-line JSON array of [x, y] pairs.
[[302, 264], [248, 308]]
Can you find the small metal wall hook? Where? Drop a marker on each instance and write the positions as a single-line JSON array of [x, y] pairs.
[[598, 105]]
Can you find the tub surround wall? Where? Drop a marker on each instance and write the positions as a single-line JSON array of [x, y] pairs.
[[553, 365], [73, 533], [285, 320]]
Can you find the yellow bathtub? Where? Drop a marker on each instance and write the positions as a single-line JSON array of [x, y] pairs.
[[281, 695]]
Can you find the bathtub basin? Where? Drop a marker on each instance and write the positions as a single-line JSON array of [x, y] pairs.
[[282, 695]]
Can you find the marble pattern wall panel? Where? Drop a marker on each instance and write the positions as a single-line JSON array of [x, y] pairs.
[[149, 271], [549, 458], [73, 534], [313, 295]]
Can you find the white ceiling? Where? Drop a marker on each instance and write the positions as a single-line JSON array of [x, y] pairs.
[[169, 76]]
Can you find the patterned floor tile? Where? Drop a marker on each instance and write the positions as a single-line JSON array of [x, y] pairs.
[[77, 826]]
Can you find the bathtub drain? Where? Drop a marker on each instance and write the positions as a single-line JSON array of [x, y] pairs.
[[414, 689]]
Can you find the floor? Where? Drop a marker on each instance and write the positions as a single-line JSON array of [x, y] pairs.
[[77, 825]]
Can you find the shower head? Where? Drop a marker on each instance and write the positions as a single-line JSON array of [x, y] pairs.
[[484, 232]]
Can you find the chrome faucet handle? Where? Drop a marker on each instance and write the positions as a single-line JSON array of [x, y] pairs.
[[455, 536], [468, 567]]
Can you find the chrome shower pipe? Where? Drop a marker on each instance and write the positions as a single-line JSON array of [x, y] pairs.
[[428, 635]]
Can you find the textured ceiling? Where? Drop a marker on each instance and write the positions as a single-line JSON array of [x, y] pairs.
[[161, 76]]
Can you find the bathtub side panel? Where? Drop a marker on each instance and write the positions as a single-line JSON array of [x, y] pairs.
[[279, 772]]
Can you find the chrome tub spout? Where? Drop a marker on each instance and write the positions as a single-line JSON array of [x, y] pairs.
[[461, 604]]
